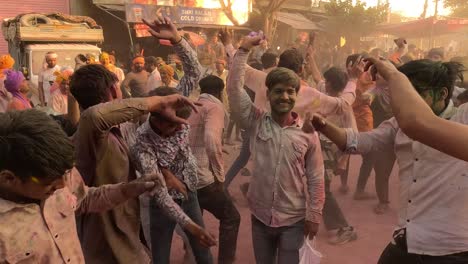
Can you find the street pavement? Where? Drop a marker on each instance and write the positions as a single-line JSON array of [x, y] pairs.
[[374, 231]]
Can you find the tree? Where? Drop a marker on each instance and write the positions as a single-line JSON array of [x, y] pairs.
[[227, 9], [268, 10], [353, 20], [459, 7]]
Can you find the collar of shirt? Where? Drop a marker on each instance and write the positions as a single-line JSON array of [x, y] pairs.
[[7, 206], [449, 111], [296, 122]]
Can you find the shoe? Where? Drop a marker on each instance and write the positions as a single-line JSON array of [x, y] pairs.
[[245, 172], [344, 189], [381, 208], [363, 196], [343, 236]]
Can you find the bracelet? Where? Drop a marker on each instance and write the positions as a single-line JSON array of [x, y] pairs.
[[244, 49], [177, 42]]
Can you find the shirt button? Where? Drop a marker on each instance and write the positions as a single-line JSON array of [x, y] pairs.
[[68, 260], [409, 201], [414, 180], [416, 159], [56, 236], [407, 220]]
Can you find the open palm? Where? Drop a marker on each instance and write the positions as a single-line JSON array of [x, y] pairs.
[[163, 28]]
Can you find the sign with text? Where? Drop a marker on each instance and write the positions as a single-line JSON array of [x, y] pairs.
[[178, 14]]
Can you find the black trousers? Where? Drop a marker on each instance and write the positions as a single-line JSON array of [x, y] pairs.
[[394, 254], [213, 198]]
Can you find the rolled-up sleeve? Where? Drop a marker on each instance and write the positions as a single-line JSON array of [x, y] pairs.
[[315, 192], [379, 139]]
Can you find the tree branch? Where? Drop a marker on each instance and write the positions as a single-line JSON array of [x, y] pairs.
[[227, 9]]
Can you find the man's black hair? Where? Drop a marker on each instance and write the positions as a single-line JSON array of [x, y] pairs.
[[269, 60], [257, 66], [151, 60], [34, 145], [463, 97], [337, 78], [351, 59], [427, 75], [183, 112], [291, 59], [92, 85], [211, 84]]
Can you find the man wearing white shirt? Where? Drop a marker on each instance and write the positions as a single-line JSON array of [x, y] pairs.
[[151, 64], [47, 77], [433, 216]]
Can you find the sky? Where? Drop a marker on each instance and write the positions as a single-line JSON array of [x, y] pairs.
[[411, 8]]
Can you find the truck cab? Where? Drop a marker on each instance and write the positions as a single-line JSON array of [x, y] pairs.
[[31, 36]]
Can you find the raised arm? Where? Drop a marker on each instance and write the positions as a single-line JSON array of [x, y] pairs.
[[351, 141], [253, 78], [163, 28], [417, 119], [102, 117], [191, 67], [241, 105]]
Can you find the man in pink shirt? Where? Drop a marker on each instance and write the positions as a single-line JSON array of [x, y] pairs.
[[206, 131], [38, 202], [286, 193]]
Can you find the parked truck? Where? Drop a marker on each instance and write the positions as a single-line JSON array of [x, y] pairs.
[[31, 36]]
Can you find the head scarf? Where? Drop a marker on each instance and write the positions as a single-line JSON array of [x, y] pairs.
[[12, 83], [139, 60], [167, 69], [61, 76], [6, 62]]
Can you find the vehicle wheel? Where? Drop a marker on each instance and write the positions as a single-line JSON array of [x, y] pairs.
[[31, 20]]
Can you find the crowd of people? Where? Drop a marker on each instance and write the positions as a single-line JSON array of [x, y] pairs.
[[126, 160]]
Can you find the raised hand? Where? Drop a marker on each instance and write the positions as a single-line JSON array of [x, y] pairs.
[[225, 36], [167, 106], [381, 66], [251, 41], [163, 28]]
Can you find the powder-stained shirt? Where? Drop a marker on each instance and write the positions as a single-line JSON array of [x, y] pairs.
[[102, 157], [46, 232], [206, 132], [152, 152], [433, 186], [288, 175]]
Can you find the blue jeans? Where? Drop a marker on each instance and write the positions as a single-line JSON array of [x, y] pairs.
[[282, 243], [162, 229], [241, 160]]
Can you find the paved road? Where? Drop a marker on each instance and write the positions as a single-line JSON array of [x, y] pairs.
[[374, 231]]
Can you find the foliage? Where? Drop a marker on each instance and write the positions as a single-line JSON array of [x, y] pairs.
[[459, 7], [353, 20]]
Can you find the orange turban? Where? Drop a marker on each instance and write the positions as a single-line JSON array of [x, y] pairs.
[[139, 60], [167, 69], [6, 62]]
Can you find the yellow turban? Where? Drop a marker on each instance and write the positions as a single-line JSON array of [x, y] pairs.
[[103, 56], [6, 62], [167, 69]]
